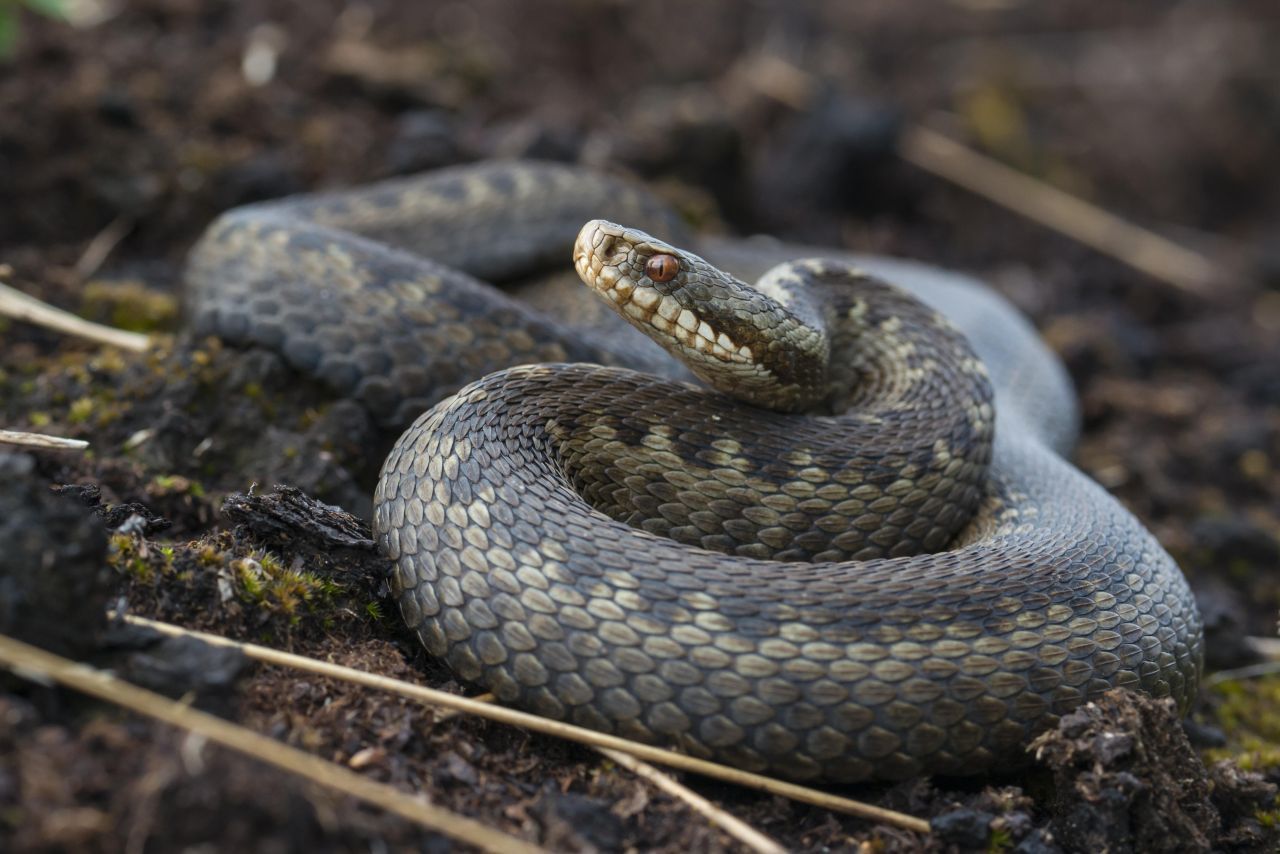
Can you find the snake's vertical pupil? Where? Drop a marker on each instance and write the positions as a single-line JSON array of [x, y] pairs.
[[662, 268]]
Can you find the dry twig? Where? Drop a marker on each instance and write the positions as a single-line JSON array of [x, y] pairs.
[[39, 440], [446, 714], [100, 248], [37, 665], [1268, 648], [20, 306], [546, 726], [1128, 243], [730, 824], [1252, 671]]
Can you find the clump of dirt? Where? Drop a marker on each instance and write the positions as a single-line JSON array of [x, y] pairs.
[[107, 784], [1127, 779], [191, 420], [270, 576], [54, 583]]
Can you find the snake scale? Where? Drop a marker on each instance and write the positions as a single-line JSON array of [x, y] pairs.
[[903, 577]]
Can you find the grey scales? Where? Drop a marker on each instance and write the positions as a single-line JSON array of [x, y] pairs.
[[854, 550]]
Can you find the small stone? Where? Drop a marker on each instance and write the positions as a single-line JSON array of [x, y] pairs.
[[963, 827], [1037, 842]]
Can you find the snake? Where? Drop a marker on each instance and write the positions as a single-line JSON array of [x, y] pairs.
[[836, 538]]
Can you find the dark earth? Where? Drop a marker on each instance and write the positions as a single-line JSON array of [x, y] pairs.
[[129, 127]]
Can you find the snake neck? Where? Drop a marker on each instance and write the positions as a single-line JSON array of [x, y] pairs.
[[891, 353], [816, 336]]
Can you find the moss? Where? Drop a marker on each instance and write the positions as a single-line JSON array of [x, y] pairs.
[[1001, 840], [310, 417], [140, 560], [173, 484], [1248, 711], [80, 410], [68, 389], [122, 556], [129, 305], [265, 581], [109, 361], [99, 409], [208, 555], [249, 577], [12, 816]]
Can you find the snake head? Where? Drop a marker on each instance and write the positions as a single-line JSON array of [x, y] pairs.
[[737, 339]]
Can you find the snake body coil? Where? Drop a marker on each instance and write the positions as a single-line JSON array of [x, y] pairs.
[[874, 592]]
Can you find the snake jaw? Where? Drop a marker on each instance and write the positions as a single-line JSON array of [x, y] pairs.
[[611, 260], [738, 339]]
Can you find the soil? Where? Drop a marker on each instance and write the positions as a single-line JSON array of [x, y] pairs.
[[125, 136]]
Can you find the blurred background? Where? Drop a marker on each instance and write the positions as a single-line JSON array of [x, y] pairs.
[[163, 111], [125, 127]]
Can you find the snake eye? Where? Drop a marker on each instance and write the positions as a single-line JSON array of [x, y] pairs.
[[662, 268]]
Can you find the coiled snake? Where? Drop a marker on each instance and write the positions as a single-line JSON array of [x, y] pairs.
[[867, 588]]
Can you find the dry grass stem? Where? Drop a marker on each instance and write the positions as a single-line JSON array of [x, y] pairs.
[[37, 665], [39, 440], [102, 245], [445, 714], [1268, 648], [20, 306], [1253, 671], [730, 824], [546, 726], [1130, 244]]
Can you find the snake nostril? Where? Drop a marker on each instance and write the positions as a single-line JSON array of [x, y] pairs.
[[604, 244]]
